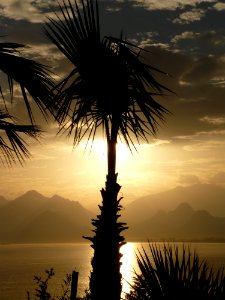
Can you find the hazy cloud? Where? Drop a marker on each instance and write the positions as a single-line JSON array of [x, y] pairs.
[[219, 6], [201, 135], [215, 38], [113, 9], [32, 11], [144, 39], [205, 146], [188, 179], [204, 70], [203, 141], [214, 120], [168, 4], [21, 10], [186, 35], [190, 16], [206, 43], [157, 142]]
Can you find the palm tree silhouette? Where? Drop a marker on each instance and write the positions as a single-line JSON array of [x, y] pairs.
[[34, 81], [108, 88], [12, 145]]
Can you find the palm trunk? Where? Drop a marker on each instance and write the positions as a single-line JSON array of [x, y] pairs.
[[111, 151], [105, 281]]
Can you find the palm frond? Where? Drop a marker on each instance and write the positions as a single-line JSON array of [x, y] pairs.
[[34, 79], [12, 146], [110, 81]]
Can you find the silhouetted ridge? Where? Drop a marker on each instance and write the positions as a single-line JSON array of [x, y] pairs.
[[3, 200], [50, 226], [31, 195], [199, 196], [182, 223], [182, 212], [34, 217], [184, 208]]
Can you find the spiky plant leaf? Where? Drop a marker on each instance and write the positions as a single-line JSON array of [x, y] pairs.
[[172, 272]]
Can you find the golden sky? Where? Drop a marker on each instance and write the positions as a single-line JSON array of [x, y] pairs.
[[187, 40]]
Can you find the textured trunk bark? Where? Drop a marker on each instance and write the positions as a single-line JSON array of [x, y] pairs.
[[105, 281], [106, 278]]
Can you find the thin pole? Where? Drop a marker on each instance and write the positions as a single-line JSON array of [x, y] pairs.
[[73, 293]]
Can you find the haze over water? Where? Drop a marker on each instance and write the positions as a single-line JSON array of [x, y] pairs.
[[20, 262]]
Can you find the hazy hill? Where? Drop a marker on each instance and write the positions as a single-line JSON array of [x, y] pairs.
[[3, 201], [183, 223], [50, 227], [200, 196], [34, 217], [194, 212]]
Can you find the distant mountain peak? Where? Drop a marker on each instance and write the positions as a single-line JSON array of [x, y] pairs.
[[210, 197], [184, 207], [182, 212], [34, 217], [32, 193], [202, 213], [57, 197]]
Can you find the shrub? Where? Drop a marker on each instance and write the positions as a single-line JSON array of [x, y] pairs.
[[42, 289], [170, 272]]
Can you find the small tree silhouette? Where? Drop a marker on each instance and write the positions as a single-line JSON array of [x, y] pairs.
[[109, 87]]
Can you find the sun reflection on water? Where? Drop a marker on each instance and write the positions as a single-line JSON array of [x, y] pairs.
[[129, 264]]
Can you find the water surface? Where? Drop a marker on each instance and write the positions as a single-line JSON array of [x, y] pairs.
[[20, 262]]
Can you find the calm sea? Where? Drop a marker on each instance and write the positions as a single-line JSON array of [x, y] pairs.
[[19, 263]]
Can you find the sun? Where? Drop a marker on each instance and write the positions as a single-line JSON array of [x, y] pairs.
[[123, 154]]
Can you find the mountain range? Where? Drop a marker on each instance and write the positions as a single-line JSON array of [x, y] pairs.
[[33, 217], [185, 213], [183, 223], [195, 212], [199, 196]]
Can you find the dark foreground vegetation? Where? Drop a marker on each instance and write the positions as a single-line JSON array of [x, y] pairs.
[[166, 271], [170, 272]]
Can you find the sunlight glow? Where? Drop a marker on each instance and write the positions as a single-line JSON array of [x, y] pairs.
[[129, 264], [99, 148]]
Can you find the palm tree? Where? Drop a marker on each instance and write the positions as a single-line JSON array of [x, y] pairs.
[[34, 81], [108, 88]]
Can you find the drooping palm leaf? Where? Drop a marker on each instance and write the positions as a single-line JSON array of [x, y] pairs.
[[12, 145], [109, 86], [33, 78]]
